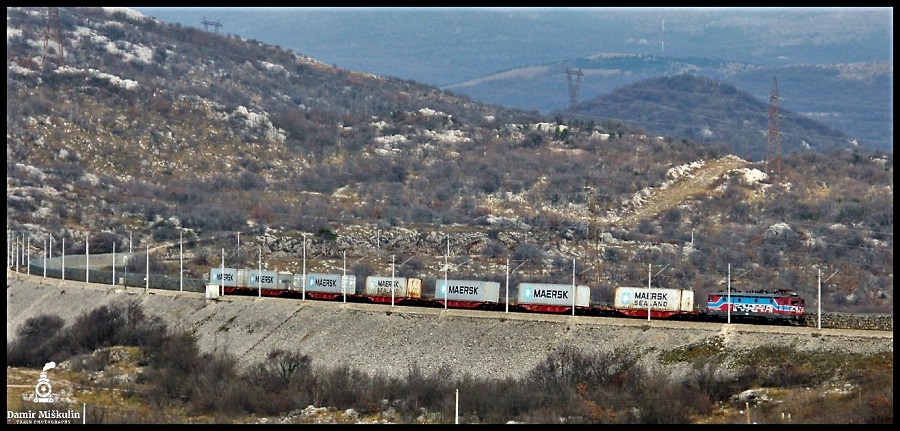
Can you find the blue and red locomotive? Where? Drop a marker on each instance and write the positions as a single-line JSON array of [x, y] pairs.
[[778, 306]]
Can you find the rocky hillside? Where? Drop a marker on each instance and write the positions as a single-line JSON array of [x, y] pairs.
[[129, 133]]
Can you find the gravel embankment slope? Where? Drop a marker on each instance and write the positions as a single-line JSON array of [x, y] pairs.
[[378, 338]]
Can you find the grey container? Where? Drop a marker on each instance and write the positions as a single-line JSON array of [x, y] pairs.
[[467, 290], [553, 294], [230, 277], [326, 283], [265, 279]]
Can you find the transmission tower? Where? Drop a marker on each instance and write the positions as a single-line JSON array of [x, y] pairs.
[[206, 23], [573, 86], [662, 37], [53, 31], [773, 151]]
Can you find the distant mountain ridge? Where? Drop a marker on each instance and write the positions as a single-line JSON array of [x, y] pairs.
[[708, 111], [834, 65], [445, 45], [853, 99]]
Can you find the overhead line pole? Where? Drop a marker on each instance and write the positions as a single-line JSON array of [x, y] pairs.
[[773, 149], [819, 299]]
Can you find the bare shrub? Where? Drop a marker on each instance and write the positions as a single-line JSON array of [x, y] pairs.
[[36, 341], [787, 375], [98, 328], [344, 386], [531, 252], [411, 268]]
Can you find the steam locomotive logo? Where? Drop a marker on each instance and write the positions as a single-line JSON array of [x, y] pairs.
[[43, 390]]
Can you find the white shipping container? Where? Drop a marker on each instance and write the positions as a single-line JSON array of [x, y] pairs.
[[402, 286], [642, 298], [229, 278], [266, 279], [327, 283], [553, 294], [467, 290]]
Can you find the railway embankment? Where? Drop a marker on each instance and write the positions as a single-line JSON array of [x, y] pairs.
[[381, 338]]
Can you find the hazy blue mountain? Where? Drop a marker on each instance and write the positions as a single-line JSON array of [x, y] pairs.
[[835, 64], [707, 111], [442, 46], [854, 98]]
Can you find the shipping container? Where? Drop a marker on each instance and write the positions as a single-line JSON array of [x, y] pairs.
[[326, 283], [467, 290], [232, 277], [553, 294], [642, 298], [235, 280], [269, 280], [403, 287]]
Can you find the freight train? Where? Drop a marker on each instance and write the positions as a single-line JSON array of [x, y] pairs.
[[780, 306]]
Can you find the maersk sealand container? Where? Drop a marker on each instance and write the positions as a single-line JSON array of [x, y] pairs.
[[643, 298], [403, 287], [637, 301], [475, 291]]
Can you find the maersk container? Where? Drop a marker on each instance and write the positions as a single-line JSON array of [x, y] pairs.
[[402, 286], [230, 277], [326, 283], [266, 280], [642, 298], [553, 294], [467, 290]]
